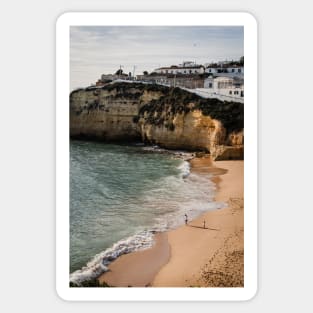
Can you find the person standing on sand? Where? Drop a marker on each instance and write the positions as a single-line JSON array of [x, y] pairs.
[[186, 219]]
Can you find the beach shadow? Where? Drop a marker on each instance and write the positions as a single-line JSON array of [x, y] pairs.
[[201, 227]]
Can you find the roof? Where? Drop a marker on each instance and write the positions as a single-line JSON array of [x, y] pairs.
[[169, 75], [224, 66], [179, 67]]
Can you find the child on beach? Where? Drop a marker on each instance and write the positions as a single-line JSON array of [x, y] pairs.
[[186, 219]]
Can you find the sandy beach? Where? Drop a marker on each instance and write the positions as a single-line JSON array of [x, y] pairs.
[[191, 255]]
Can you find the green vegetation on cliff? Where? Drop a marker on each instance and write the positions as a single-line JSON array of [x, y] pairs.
[[172, 118], [178, 101], [171, 101], [123, 88]]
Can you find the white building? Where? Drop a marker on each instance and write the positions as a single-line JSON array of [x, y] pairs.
[[228, 70], [231, 88], [184, 68]]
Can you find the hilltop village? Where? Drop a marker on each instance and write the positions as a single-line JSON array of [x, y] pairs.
[[223, 80]]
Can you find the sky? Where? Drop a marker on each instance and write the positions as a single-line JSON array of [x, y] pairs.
[[96, 50]]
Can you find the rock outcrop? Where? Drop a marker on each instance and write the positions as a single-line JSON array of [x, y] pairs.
[[169, 117]]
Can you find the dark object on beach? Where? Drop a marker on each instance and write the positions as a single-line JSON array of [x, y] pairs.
[[90, 283], [204, 224], [186, 219]]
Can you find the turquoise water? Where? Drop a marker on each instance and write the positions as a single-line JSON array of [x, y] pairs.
[[120, 195]]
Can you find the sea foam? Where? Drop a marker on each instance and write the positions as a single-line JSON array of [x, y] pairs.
[[99, 262], [185, 169], [158, 205]]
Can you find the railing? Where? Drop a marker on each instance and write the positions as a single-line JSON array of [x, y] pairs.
[[206, 94]]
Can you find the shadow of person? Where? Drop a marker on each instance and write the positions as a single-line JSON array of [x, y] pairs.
[[201, 227]]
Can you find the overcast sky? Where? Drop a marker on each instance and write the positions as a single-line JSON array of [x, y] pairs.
[[97, 50]]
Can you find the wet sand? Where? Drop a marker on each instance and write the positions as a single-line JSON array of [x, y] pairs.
[[192, 255], [213, 256], [138, 269]]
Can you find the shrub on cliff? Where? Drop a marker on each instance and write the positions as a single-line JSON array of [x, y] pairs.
[[171, 126], [136, 119], [231, 114]]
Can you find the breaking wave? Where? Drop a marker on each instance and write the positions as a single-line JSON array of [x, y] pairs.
[[121, 198], [99, 262]]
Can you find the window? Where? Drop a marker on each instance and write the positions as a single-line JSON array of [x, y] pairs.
[[210, 85], [239, 70], [230, 92], [172, 72], [233, 70], [185, 72], [196, 71], [190, 71], [209, 70], [166, 71]]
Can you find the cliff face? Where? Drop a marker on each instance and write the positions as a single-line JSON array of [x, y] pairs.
[[107, 114], [170, 117], [190, 131]]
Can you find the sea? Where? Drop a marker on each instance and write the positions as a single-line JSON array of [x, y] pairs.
[[121, 195]]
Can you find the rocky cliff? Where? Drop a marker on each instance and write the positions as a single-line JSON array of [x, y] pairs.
[[169, 117]]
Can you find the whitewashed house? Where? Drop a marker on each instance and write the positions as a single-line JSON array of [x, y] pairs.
[[186, 68], [231, 71], [235, 70], [229, 88], [225, 70], [211, 70]]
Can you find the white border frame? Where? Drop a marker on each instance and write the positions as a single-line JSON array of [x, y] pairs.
[[62, 154]]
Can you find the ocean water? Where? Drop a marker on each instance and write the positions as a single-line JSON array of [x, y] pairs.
[[121, 195]]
